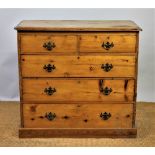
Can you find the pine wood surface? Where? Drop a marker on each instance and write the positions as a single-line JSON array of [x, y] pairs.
[[122, 42], [73, 45], [78, 90], [78, 42], [34, 42], [77, 25], [85, 115], [77, 132], [10, 123], [77, 66]]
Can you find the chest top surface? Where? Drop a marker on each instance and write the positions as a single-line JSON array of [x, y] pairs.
[[77, 25]]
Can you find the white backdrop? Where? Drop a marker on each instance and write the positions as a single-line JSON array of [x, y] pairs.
[[8, 43]]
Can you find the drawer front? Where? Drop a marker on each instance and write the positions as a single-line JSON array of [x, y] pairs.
[[78, 90], [47, 43], [77, 115], [77, 66], [108, 42]]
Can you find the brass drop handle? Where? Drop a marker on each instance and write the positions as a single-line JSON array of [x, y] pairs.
[[107, 67], [107, 45], [106, 91], [105, 115], [49, 91], [49, 67], [50, 116], [49, 45]]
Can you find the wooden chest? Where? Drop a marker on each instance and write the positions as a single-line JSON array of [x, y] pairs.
[[78, 78]]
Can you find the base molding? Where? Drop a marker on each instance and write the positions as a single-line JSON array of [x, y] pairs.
[[77, 133]]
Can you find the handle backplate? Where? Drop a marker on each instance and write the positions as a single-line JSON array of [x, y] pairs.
[[107, 45], [49, 67], [49, 91], [105, 115], [49, 45], [50, 116], [106, 91], [107, 67]]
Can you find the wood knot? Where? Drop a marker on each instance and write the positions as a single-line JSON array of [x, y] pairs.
[[66, 117], [127, 115], [49, 37], [33, 108], [41, 117], [85, 120], [66, 74], [125, 84], [91, 68], [125, 60]]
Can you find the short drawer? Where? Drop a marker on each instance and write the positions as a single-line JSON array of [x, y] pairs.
[[77, 66], [78, 90], [47, 43], [78, 115], [108, 42]]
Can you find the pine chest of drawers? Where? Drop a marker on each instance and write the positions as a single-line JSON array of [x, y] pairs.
[[78, 78]]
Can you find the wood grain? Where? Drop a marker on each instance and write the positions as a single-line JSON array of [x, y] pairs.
[[33, 42], [78, 78], [20, 79], [77, 66], [123, 42], [77, 25], [136, 77], [77, 115], [77, 90], [77, 133], [92, 42]]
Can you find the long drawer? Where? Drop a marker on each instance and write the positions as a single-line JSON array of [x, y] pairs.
[[77, 66], [82, 89], [77, 115], [78, 42]]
